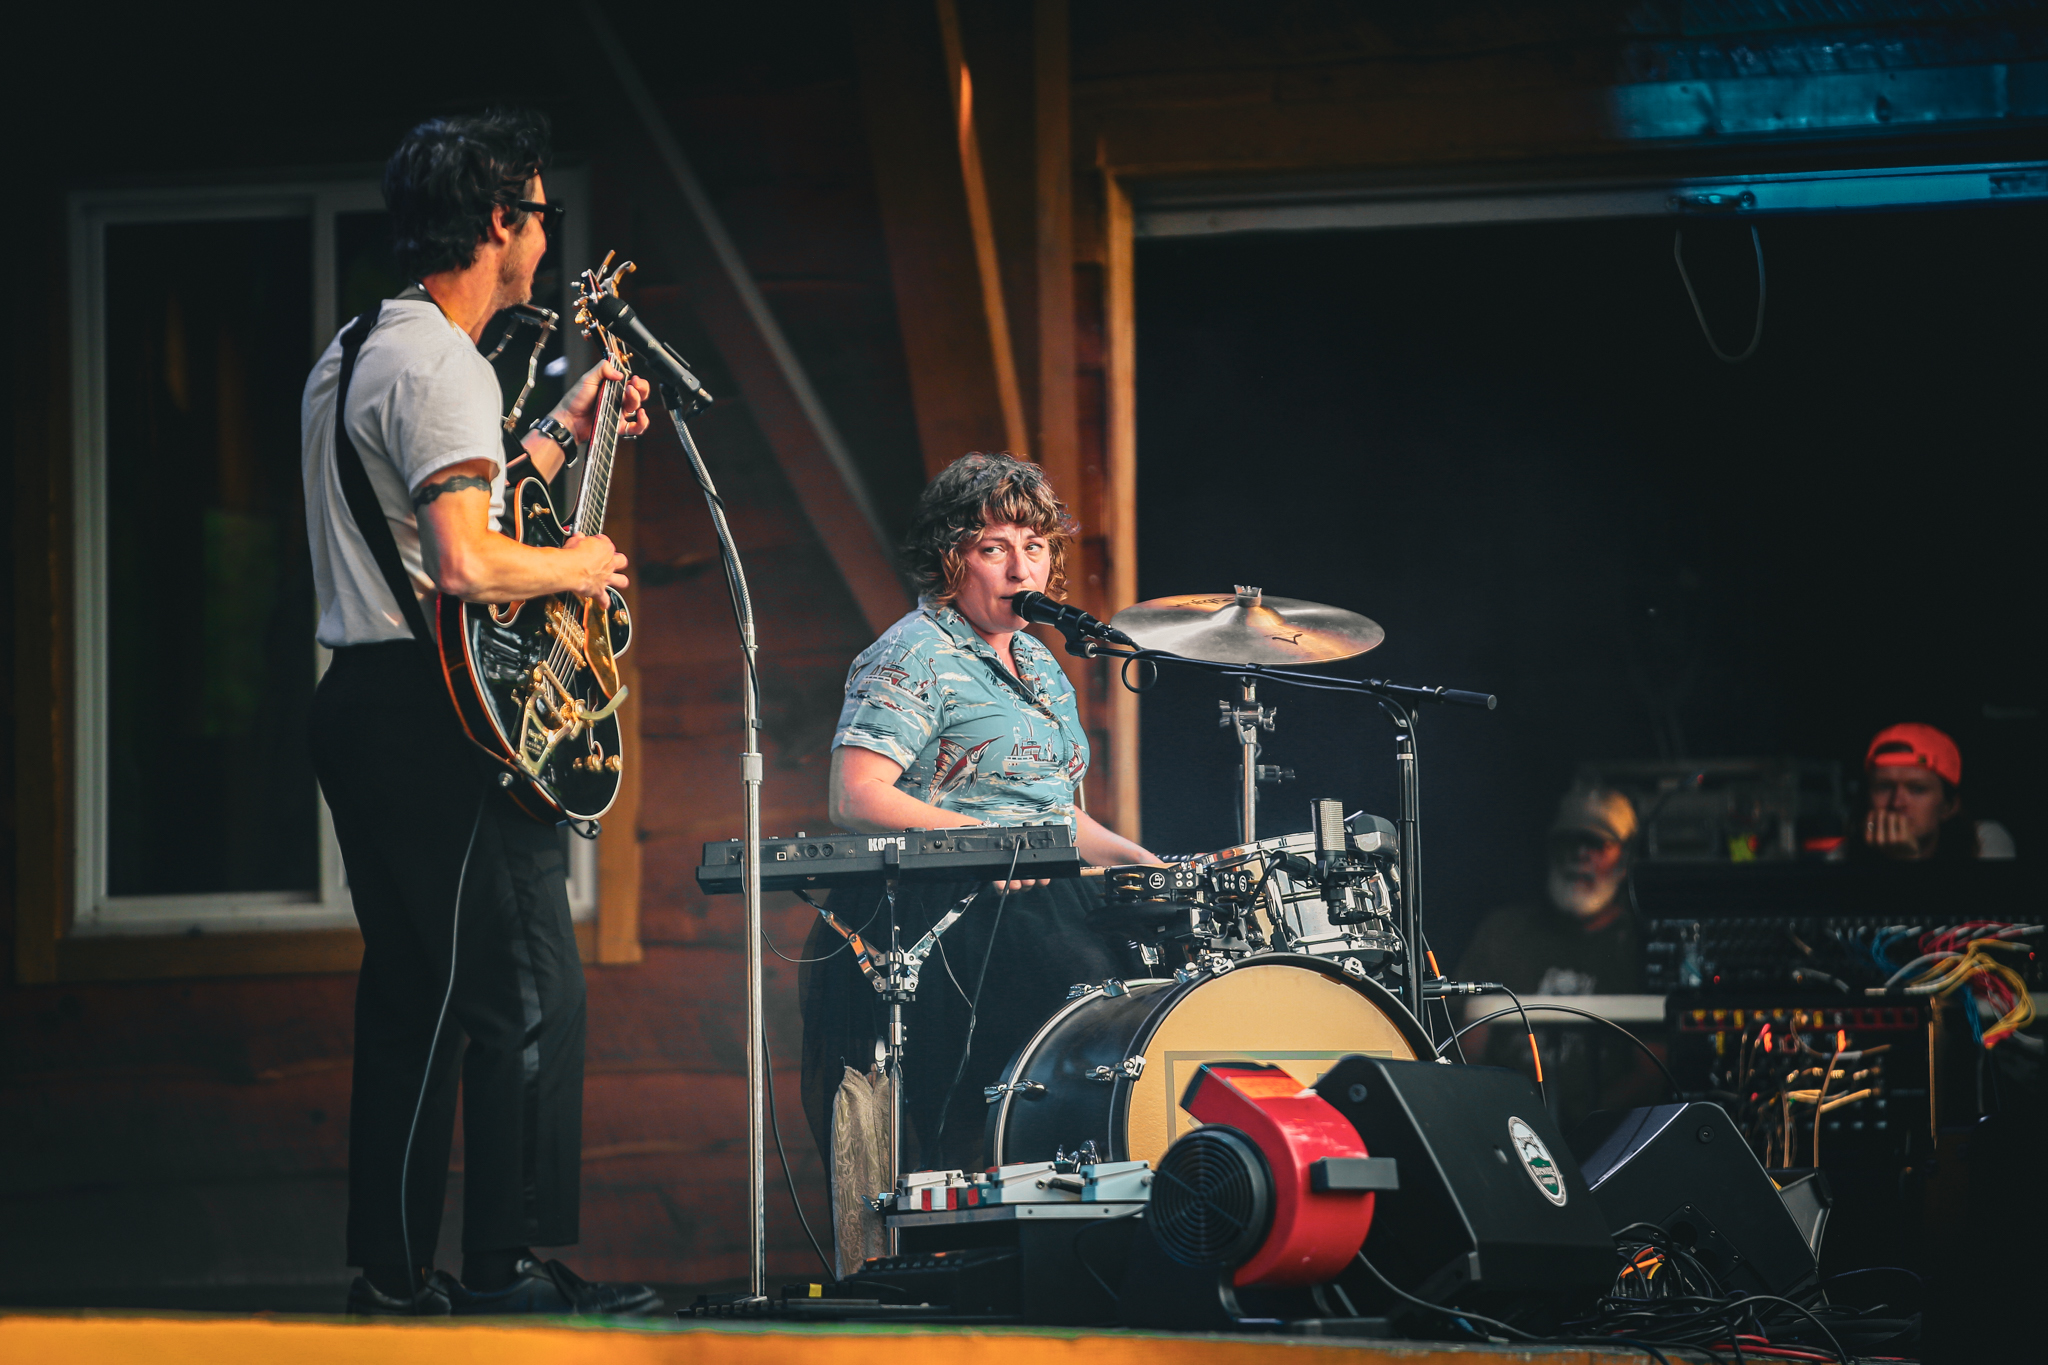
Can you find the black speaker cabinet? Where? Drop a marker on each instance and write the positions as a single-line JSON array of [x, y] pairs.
[[1685, 1168], [1492, 1213]]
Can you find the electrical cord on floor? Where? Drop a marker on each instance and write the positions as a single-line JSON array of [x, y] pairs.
[[789, 1176], [1455, 1314], [433, 1045]]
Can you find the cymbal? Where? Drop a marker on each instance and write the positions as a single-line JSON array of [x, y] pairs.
[[1249, 627]]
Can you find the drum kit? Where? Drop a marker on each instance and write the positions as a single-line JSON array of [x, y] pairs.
[[1296, 950]]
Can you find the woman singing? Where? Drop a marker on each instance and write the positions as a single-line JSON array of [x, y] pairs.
[[955, 717]]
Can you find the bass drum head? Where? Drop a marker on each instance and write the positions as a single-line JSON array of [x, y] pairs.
[[1296, 1013], [1301, 1014]]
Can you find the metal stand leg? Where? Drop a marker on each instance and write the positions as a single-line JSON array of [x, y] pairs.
[[1410, 851], [750, 875], [757, 1044]]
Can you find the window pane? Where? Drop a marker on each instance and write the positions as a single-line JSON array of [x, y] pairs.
[[210, 598]]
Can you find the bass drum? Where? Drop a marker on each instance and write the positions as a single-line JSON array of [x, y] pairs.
[[1113, 1065]]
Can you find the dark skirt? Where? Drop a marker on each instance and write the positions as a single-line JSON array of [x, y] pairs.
[[1044, 941]]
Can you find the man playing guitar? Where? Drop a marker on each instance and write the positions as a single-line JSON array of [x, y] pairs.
[[462, 899]]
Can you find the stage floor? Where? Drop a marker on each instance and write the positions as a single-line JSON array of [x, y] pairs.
[[89, 1338]]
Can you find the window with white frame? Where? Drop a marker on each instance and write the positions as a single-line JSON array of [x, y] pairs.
[[197, 315]]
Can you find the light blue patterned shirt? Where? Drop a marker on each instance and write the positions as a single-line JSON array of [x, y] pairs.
[[932, 696]]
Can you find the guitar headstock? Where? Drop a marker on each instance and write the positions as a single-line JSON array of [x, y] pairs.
[[596, 284]]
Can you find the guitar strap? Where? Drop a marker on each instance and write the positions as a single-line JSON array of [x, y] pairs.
[[362, 498]]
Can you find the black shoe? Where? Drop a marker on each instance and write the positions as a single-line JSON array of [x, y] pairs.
[[430, 1300], [554, 1289]]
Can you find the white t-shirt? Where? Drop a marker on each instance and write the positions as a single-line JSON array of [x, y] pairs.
[[423, 398]]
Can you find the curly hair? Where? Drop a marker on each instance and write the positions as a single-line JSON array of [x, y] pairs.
[[975, 491], [445, 179]]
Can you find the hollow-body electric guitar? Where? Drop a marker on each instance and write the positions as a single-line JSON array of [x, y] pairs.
[[536, 683]]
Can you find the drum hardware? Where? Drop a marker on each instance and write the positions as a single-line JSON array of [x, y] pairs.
[[1208, 964], [1030, 1090], [1249, 627], [1247, 718], [1130, 1069], [1340, 901]]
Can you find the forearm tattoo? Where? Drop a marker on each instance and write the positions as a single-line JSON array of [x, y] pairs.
[[454, 483]]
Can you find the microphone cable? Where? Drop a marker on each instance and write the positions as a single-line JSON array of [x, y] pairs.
[[440, 1019]]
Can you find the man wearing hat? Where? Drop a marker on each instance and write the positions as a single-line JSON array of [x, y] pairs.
[[1582, 941], [1915, 776]]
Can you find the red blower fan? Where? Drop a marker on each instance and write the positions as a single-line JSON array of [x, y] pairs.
[[1272, 1197]]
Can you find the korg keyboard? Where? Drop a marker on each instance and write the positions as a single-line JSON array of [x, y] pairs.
[[977, 853]]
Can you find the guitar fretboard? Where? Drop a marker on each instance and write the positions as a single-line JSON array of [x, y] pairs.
[[604, 443]]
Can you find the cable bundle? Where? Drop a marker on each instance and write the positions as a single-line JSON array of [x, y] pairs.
[[1961, 958], [1781, 1081], [1664, 1299]]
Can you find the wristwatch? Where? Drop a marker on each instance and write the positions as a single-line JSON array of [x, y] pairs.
[[560, 435]]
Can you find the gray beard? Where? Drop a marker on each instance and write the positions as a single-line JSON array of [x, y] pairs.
[[1581, 898]]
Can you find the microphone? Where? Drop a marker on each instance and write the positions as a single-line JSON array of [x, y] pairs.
[[676, 379], [1068, 620]]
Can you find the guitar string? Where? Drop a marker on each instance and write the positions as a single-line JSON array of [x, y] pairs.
[[590, 506], [604, 437]]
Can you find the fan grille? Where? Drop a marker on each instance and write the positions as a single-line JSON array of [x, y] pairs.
[[1211, 1200]]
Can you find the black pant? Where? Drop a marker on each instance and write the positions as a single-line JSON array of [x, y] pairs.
[[409, 801]]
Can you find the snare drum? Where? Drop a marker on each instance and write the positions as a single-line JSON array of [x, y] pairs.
[[1110, 1066], [1298, 904]]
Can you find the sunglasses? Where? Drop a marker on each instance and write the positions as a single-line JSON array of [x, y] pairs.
[[551, 213]]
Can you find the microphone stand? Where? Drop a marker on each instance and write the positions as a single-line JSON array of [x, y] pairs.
[[680, 406], [1389, 696]]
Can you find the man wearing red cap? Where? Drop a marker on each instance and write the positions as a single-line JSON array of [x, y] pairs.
[[1915, 776]]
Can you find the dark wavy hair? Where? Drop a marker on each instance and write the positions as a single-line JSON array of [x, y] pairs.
[[446, 177], [973, 492]]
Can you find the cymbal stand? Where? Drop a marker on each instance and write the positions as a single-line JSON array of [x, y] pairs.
[[1247, 718], [899, 988]]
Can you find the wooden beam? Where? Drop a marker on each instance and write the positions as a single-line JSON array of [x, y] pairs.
[[148, 957], [1058, 439], [806, 443], [1258, 122], [141, 958], [937, 263], [996, 314], [1121, 480]]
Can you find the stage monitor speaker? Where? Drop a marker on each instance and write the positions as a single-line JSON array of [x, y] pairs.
[[1686, 1168], [1492, 1214]]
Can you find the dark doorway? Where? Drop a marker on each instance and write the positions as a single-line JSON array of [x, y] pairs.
[[1511, 446]]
